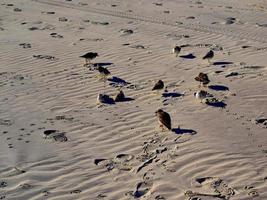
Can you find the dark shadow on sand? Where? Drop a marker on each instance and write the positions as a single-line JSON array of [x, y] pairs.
[[126, 99], [109, 101], [218, 104], [103, 64], [184, 131], [222, 63], [171, 94], [219, 87], [117, 80], [188, 56]]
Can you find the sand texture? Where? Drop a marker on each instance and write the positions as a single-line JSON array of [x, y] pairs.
[[58, 141]]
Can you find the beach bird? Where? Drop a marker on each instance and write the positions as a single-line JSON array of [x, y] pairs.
[[120, 96], [89, 56], [202, 78], [201, 95], [104, 98], [164, 119], [209, 56], [176, 50], [103, 71], [158, 86]]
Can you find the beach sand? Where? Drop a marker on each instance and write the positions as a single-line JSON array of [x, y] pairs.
[[118, 151]]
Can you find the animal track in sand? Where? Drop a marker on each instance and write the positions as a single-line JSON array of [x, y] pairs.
[[56, 135], [47, 57], [251, 191], [211, 186], [142, 189], [17, 10], [55, 35], [25, 45], [62, 19], [3, 184], [77, 191], [25, 186], [6, 122], [120, 162]]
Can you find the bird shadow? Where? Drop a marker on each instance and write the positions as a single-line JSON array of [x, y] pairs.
[[219, 87], [219, 104], [254, 67], [184, 131], [171, 94], [103, 64], [125, 99], [188, 56], [222, 63], [117, 80], [109, 100]]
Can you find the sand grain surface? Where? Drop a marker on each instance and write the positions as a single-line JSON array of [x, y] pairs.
[[117, 151]]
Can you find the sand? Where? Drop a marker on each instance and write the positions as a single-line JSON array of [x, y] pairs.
[[118, 151]]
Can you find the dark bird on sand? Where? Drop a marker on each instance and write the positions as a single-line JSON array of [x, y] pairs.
[[120, 96], [89, 56], [209, 55], [105, 99], [202, 78], [164, 119], [159, 85], [201, 95], [103, 71], [176, 50]]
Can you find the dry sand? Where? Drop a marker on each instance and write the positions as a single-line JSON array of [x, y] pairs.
[[117, 151]]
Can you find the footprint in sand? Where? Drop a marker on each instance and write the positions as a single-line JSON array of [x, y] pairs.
[[25, 186], [47, 57], [260, 121], [212, 187], [45, 193], [126, 32], [49, 12], [142, 189], [251, 191], [100, 196], [149, 175], [76, 191], [6, 122], [56, 135], [55, 35], [17, 10], [25, 45], [33, 28], [3, 184], [120, 162], [159, 197], [62, 19], [82, 4]]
